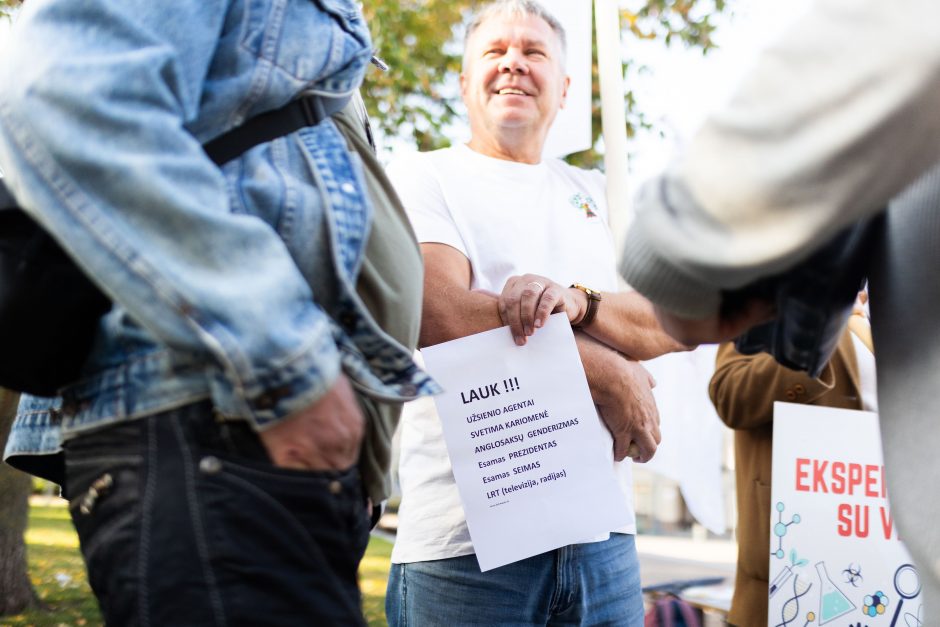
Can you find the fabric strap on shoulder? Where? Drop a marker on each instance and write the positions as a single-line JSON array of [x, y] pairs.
[[305, 111]]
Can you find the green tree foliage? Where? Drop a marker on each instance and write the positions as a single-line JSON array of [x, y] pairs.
[[8, 5], [690, 21], [416, 98]]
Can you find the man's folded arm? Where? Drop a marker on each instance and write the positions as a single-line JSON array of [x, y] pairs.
[[622, 391], [626, 322], [451, 309]]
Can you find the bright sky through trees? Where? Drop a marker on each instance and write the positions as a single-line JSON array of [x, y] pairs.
[[683, 86]]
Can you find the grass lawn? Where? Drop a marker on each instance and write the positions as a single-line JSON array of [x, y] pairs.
[[373, 575], [58, 575], [57, 572]]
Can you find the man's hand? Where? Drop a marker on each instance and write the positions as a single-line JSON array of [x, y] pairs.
[[528, 300], [632, 417], [324, 436], [717, 328], [623, 392]]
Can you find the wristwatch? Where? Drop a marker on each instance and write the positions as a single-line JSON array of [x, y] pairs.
[[593, 303]]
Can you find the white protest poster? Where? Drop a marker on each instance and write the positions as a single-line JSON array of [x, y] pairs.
[[835, 556], [532, 461]]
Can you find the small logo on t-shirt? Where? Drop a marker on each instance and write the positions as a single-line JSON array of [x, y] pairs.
[[584, 203]]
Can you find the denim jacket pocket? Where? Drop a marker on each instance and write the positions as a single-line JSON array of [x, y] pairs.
[[346, 11], [279, 31]]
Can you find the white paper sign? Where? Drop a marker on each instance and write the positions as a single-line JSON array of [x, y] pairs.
[[533, 463], [835, 556]]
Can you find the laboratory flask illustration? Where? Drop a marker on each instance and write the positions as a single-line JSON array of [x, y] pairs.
[[832, 601]]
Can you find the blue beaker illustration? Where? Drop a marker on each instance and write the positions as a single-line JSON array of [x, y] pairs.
[[832, 602]]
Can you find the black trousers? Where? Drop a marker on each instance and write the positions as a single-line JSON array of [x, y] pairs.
[[183, 520]]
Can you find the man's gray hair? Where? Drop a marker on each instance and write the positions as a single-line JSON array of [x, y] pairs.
[[518, 8]]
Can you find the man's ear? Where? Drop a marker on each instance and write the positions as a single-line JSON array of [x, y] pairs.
[[564, 92]]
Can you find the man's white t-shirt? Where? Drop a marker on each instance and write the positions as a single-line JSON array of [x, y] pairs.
[[507, 218]]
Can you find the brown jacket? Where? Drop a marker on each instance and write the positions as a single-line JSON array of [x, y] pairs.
[[743, 390]]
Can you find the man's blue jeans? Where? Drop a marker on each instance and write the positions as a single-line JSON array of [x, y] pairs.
[[184, 521], [582, 584]]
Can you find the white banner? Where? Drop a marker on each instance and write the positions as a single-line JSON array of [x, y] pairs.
[[691, 450], [834, 551]]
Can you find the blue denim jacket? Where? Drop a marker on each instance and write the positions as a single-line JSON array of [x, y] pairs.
[[236, 285]]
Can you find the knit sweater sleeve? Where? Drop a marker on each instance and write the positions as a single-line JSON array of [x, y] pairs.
[[835, 119]]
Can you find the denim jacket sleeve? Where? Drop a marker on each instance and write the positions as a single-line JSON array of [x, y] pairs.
[[102, 113]]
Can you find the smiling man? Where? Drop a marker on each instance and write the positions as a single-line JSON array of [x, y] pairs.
[[513, 84], [504, 232]]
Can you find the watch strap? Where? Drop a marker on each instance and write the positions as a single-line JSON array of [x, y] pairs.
[[593, 304]]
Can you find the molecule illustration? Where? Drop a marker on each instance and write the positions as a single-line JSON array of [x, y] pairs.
[[810, 617], [780, 529], [875, 604]]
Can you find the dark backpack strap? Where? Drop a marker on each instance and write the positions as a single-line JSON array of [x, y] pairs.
[[305, 111]]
